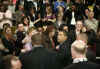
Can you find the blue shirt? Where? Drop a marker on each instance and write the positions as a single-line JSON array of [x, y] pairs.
[[56, 4]]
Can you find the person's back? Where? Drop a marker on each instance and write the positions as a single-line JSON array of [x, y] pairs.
[[83, 65], [80, 61], [39, 57]]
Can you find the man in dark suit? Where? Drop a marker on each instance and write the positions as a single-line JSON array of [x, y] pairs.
[[72, 15], [39, 57], [64, 47], [78, 29], [78, 51], [20, 35]]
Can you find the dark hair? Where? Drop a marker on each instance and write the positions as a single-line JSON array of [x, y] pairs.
[[49, 29], [6, 25], [4, 30], [6, 62], [32, 8], [65, 33], [4, 7], [62, 26], [23, 20], [49, 8], [37, 39]]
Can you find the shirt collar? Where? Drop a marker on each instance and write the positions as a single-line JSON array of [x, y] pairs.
[[77, 60], [37, 46]]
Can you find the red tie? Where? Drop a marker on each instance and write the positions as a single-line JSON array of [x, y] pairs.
[[53, 44]]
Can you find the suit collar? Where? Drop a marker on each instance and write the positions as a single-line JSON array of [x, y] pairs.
[[37, 46]]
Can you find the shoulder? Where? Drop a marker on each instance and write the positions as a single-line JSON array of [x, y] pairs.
[[72, 66], [92, 63], [95, 20], [56, 2], [83, 65]]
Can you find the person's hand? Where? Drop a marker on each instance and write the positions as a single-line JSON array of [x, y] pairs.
[[57, 47], [44, 19], [44, 27], [23, 50], [84, 29]]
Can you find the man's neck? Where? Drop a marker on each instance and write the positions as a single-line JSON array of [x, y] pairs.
[[62, 42], [37, 45]]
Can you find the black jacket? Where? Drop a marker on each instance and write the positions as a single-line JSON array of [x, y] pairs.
[[83, 65], [65, 53], [40, 58]]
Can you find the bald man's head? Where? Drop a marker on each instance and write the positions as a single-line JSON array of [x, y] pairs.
[[78, 49]]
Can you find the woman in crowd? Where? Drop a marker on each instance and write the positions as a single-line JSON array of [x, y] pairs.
[[49, 14], [91, 22], [27, 40], [59, 20], [26, 23], [8, 40]]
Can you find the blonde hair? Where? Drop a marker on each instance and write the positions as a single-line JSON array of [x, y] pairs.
[[30, 30], [79, 46]]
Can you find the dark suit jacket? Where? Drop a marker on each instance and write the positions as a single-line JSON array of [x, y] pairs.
[[68, 18], [65, 52], [68, 14], [91, 55], [72, 36], [40, 58], [19, 44], [83, 65], [20, 36], [98, 47]]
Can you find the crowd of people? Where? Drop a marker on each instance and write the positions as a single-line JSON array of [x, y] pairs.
[[49, 34]]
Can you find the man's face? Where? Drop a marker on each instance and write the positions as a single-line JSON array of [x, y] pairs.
[[73, 7], [61, 37], [52, 33], [79, 25], [20, 27]]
